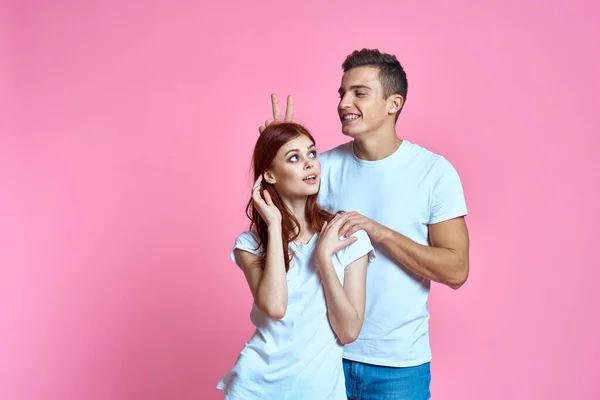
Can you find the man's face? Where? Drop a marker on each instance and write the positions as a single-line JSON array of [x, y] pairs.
[[362, 107]]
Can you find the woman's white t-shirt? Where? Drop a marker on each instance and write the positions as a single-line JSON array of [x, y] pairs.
[[299, 356]]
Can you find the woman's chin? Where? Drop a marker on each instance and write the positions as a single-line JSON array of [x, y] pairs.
[[313, 191], [304, 193]]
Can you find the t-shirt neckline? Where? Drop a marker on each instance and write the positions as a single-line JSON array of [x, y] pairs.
[[310, 241], [396, 154]]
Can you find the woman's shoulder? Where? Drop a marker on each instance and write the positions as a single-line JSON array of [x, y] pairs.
[[248, 236], [247, 241], [361, 247]]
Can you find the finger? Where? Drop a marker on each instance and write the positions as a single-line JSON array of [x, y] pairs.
[[261, 129], [267, 197], [346, 231], [256, 191], [339, 220], [275, 105], [268, 122], [347, 242], [289, 109], [323, 227], [349, 216], [352, 230], [349, 221], [257, 198], [344, 243], [257, 182], [333, 226], [259, 203], [333, 220]]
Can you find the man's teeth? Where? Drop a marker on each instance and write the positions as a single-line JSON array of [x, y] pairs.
[[351, 117]]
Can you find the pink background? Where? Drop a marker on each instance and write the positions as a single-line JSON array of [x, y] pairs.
[[126, 133]]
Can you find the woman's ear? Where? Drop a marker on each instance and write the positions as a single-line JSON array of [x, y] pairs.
[[269, 177]]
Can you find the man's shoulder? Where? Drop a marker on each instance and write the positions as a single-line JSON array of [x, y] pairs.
[[431, 164], [424, 157]]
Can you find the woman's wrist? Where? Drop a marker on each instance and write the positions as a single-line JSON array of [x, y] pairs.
[[274, 228], [323, 258]]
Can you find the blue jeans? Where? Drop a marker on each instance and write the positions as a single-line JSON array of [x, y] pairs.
[[374, 382]]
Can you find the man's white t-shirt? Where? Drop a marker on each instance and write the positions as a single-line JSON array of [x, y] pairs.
[[299, 356], [405, 192]]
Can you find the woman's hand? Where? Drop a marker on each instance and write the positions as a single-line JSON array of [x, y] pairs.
[[265, 207], [329, 241]]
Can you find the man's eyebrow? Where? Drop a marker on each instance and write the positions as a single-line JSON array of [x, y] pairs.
[[340, 90]]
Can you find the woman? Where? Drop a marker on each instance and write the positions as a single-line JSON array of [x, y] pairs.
[[308, 284]]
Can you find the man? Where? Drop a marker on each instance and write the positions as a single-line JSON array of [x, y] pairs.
[[410, 201]]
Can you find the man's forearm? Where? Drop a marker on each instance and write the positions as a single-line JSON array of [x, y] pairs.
[[446, 266]]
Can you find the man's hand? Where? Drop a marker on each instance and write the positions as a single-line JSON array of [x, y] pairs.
[[353, 221], [289, 112]]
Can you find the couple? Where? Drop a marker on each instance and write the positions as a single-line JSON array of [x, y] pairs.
[[342, 248]]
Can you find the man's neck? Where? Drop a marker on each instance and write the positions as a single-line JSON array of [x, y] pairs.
[[376, 145]]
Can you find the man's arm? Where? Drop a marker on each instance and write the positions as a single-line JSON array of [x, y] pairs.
[[445, 261]]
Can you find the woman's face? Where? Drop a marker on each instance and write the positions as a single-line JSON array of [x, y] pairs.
[[295, 171]]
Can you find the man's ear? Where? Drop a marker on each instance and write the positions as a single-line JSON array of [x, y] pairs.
[[396, 103]]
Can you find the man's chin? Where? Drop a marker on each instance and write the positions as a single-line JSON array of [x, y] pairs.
[[353, 133]]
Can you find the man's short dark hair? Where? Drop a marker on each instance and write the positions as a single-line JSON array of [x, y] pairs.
[[391, 74]]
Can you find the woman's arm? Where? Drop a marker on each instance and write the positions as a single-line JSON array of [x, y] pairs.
[[268, 285], [345, 304]]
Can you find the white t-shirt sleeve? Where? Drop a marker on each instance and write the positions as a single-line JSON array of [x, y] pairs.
[[447, 200], [356, 250], [247, 241]]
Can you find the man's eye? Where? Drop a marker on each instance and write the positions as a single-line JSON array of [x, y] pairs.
[[361, 94]]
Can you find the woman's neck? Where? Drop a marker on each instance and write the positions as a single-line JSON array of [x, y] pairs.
[[298, 208]]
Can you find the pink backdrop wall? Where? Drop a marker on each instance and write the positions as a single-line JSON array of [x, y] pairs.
[[126, 131]]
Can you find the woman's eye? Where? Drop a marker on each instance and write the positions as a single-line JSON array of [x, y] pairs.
[[313, 154], [293, 158]]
